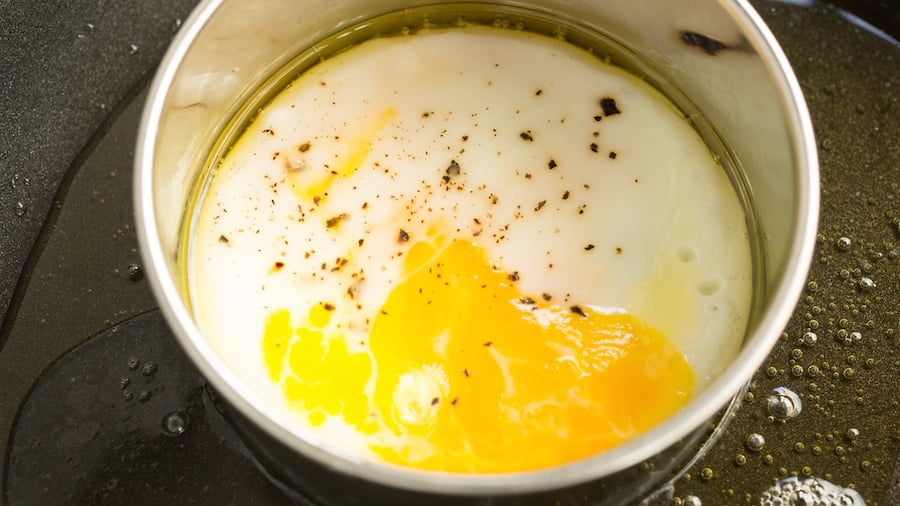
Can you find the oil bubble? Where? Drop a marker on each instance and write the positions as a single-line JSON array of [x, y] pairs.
[[843, 243], [756, 442], [809, 492], [784, 403], [691, 500], [706, 474], [810, 338], [20, 209], [135, 273], [175, 423], [866, 284], [740, 459]]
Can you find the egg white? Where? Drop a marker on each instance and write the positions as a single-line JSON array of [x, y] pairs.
[[656, 231]]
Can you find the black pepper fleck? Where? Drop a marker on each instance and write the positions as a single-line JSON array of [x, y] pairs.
[[551, 164], [304, 147], [453, 168], [332, 222], [566, 195], [589, 247], [514, 276], [613, 155], [328, 307], [609, 106], [577, 310], [540, 205], [223, 239], [526, 136], [403, 236], [594, 147]]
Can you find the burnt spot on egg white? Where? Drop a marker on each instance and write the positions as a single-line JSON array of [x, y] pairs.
[[708, 44]]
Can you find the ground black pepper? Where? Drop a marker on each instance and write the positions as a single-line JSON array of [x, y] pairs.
[[609, 106]]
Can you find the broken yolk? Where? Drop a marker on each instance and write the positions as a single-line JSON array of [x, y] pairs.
[[467, 374]]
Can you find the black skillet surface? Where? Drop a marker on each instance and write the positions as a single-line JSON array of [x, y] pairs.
[[99, 406]]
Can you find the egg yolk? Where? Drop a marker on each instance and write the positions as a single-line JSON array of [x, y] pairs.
[[464, 373]]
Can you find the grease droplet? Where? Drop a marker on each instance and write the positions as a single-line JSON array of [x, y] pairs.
[[175, 423], [756, 442], [784, 403]]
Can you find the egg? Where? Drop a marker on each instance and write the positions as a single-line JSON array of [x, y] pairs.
[[437, 249]]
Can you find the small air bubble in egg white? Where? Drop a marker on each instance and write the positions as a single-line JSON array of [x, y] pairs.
[[686, 254], [709, 286]]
